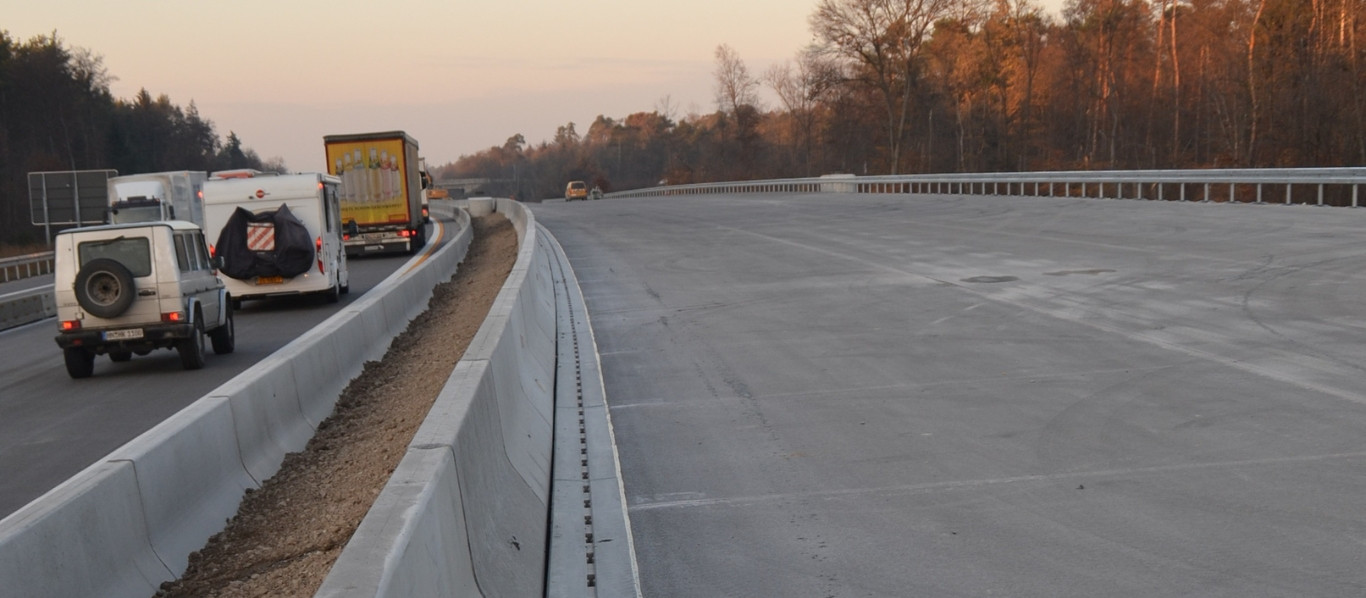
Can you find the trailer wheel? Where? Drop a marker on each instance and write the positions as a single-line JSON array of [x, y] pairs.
[[105, 288]]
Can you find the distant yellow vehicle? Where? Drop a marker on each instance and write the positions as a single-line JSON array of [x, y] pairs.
[[575, 190]]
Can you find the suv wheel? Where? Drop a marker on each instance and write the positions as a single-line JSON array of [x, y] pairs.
[[192, 349], [104, 288], [224, 338], [80, 362]]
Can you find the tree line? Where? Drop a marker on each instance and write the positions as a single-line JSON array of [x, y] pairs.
[[57, 114], [910, 86]]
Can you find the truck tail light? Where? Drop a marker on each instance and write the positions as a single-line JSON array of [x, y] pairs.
[[171, 317], [69, 325]]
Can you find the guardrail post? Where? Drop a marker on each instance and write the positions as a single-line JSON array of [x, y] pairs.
[[1230, 192], [1287, 193], [1205, 198], [1320, 193], [1354, 194], [1160, 188], [1259, 193]]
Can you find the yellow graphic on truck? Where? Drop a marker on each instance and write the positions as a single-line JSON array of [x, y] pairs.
[[374, 188]]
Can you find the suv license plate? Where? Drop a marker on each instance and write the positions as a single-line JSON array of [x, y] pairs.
[[270, 280], [123, 335]]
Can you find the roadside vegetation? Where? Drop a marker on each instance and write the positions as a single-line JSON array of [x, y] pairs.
[[921, 86], [886, 87], [18, 250], [57, 113]]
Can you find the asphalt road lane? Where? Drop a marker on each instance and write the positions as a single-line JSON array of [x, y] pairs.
[[51, 426], [875, 395]]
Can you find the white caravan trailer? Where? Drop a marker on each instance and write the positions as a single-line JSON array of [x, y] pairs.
[[278, 234]]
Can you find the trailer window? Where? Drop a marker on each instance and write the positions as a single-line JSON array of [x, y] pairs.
[[331, 209]]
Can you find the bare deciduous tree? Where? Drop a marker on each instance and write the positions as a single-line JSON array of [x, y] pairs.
[[885, 37], [734, 85]]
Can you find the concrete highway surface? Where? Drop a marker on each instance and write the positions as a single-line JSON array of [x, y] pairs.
[[893, 395], [52, 426]]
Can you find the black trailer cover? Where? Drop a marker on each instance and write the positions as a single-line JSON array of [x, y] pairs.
[[291, 256]]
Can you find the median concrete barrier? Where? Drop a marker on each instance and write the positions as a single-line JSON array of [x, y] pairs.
[[432, 554], [265, 405], [87, 537], [479, 206], [316, 367], [23, 307], [189, 478], [485, 531], [128, 523]]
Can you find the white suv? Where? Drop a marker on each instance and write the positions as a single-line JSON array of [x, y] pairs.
[[131, 288]]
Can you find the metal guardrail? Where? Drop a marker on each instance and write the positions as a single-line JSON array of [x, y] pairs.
[[1315, 186], [24, 266]]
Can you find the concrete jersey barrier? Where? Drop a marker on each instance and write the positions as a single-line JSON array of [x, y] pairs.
[[466, 511], [23, 307], [128, 523]]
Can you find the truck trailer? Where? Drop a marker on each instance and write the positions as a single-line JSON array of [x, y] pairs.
[[157, 196], [381, 190]]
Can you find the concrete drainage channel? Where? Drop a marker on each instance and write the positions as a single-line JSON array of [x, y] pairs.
[[591, 549], [467, 512]]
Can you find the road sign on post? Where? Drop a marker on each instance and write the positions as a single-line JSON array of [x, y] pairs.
[[69, 197]]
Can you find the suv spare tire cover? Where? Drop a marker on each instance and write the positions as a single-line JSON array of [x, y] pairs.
[[105, 288], [292, 255]]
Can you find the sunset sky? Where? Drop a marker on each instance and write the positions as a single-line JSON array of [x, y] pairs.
[[460, 76]]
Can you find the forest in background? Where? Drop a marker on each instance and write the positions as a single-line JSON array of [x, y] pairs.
[[888, 87], [57, 114], [932, 86]]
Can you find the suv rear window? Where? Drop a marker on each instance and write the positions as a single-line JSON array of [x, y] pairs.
[[135, 253]]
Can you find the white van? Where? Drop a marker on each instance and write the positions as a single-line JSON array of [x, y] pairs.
[[278, 234]]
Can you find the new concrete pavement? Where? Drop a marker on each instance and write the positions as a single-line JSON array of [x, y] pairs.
[[890, 395]]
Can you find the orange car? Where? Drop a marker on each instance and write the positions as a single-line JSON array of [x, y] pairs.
[[575, 190]]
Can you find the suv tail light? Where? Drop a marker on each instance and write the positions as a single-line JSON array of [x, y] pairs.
[[69, 325], [173, 316]]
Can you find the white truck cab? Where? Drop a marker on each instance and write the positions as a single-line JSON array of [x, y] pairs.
[[127, 289], [277, 234], [153, 196]]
